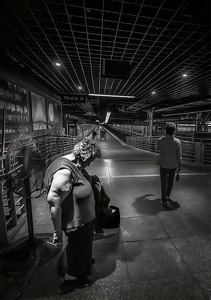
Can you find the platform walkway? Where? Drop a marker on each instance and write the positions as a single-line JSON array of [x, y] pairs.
[[156, 253]]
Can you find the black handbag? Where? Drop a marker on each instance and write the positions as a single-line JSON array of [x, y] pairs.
[[111, 220]]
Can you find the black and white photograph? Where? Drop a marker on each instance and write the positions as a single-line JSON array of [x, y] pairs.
[[105, 140]]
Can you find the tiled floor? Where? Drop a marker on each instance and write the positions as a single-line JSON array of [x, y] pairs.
[[156, 253]]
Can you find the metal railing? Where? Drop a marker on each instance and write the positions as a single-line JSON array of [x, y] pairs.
[[194, 152], [13, 204]]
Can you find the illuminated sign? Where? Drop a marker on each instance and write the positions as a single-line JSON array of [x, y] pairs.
[[73, 98]]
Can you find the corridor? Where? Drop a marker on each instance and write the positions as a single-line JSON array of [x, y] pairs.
[[156, 253]]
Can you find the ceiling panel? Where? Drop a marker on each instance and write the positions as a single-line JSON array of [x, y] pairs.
[[162, 40]]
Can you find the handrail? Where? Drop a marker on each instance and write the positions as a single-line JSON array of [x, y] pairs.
[[13, 206], [181, 137], [195, 151]]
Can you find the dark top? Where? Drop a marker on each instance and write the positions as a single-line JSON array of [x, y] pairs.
[[78, 207]]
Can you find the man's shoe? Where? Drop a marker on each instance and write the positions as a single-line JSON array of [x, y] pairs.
[[93, 261], [164, 203]]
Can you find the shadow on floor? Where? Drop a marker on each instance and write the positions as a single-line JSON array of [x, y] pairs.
[[17, 263], [51, 270], [149, 205], [104, 237], [47, 251]]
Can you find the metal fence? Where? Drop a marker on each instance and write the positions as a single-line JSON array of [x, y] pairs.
[[194, 152], [13, 211]]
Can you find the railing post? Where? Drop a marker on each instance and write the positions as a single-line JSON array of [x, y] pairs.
[[29, 208], [202, 154], [11, 202], [3, 226]]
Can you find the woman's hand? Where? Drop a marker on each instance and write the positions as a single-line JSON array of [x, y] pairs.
[[57, 238], [98, 186], [57, 241]]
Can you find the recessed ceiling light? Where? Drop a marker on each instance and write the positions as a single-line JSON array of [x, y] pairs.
[[57, 64], [153, 92], [79, 88], [184, 75]]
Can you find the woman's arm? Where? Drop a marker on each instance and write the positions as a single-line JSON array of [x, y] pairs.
[[60, 187]]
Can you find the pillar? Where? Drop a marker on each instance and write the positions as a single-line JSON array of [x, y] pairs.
[[150, 121]]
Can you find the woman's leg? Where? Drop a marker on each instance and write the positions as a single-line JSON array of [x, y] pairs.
[[79, 251]]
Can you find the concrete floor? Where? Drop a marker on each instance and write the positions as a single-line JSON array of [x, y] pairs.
[[156, 253]]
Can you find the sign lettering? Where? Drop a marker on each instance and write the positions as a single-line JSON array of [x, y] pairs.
[[73, 98]]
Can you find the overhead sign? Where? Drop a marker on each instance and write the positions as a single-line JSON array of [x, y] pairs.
[[73, 98]]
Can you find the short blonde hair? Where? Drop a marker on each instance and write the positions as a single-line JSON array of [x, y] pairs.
[[85, 149]]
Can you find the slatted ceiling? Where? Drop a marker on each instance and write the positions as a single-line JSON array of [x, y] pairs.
[[162, 39]]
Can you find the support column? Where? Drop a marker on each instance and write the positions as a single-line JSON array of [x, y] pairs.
[[150, 120]]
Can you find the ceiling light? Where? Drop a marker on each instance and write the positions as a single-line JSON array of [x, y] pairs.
[[114, 96], [57, 64], [79, 88], [184, 75], [153, 93]]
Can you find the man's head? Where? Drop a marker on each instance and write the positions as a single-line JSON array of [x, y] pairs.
[[170, 128]]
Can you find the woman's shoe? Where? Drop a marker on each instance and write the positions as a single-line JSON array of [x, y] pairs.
[[79, 283], [83, 282], [99, 230]]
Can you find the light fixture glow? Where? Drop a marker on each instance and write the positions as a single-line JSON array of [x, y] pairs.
[[79, 88], [114, 96], [186, 125], [184, 75], [107, 116], [153, 93], [57, 64]]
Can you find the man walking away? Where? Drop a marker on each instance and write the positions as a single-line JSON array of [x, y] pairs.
[[170, 161]]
